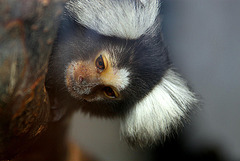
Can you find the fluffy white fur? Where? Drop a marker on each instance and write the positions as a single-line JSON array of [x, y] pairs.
[[122, 79], [160, 111], [121, 18], [119, 78]]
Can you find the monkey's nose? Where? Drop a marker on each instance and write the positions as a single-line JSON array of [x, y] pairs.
[[80, 79]]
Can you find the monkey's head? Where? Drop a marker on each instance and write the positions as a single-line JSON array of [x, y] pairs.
[[109, 60]]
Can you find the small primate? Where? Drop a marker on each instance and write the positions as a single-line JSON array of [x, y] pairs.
[[109, 60]]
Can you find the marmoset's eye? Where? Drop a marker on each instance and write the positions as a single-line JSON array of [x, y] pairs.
[[110, 92], [100, 63]]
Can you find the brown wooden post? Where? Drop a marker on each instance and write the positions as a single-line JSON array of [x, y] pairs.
[[27, 31]]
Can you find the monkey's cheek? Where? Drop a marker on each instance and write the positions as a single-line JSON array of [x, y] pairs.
[[70, 83], [70, 87], [76, 91]]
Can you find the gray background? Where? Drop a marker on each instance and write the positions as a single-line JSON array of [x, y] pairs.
[[203, 38]]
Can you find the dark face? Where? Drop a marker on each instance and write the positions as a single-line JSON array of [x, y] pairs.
[[103, 75]]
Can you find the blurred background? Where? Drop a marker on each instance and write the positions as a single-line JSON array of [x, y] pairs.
[[203, 38]]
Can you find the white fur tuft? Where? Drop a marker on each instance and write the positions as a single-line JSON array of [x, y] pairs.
[[160, 111], [125, 19]]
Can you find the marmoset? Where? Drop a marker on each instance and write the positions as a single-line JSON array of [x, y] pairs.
[[109, 60]]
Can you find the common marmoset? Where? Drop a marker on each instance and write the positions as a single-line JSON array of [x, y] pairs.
[[109, 60]]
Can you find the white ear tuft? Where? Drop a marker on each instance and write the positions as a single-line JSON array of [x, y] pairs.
[[125, 19], [159, 112]]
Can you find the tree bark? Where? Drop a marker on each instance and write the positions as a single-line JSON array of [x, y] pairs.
[[27, 31]]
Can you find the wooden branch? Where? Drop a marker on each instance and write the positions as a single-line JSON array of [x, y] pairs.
[[27, 31]]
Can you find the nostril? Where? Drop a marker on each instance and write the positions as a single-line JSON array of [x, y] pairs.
[[80, 79]]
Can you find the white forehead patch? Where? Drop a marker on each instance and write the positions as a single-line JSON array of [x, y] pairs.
[[119, 78], [121, 18], [161, 110], [123, 80]]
